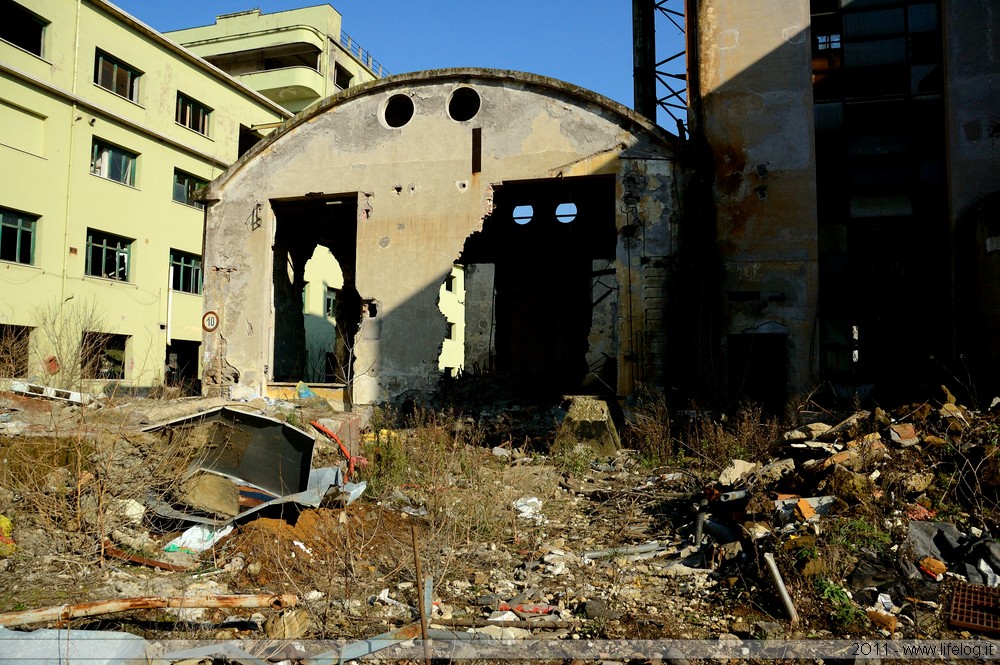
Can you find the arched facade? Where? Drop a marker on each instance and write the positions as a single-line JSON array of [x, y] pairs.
[[556, 207]]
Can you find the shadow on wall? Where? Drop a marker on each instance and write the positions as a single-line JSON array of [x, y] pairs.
[[841, 245], [540, 304]]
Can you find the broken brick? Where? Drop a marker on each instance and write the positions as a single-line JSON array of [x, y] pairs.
[[933, 567], [904, 435], [804, 511], [884, 621]]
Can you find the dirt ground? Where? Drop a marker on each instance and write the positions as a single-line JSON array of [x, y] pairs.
[[587, 547]]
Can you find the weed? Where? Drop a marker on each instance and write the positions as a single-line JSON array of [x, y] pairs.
[[857, 535], [294, 418], [748, 436], [846, 615], [388, 461], [574, 460], [648, 432]]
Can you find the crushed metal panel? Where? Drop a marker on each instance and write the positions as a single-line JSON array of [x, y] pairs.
[[263, 451], [320, 482]]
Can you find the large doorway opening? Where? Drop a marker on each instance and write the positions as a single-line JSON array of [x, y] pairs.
[[541, 248], [317, 309], [182, 366]]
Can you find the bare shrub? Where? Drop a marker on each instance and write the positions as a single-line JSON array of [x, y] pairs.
[[14, 348], [648, 431], [748, 436], [66, 331]]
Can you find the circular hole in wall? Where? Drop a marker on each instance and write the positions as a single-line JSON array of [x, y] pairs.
[[565, 213], [398, 110], [523, 214], [464, 104]]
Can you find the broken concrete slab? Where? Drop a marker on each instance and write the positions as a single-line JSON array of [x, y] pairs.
[[847, 485], [822, 505], [904, 435], [154, 411], [347, 428], [917, 482], [736, 471], [848, 428], [806, 432], [777, 470], [48, 392], [588, 425]]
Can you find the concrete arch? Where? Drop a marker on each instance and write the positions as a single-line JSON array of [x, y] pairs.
[[399, 201]]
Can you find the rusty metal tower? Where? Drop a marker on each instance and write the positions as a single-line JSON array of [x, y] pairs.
[[660, 85]]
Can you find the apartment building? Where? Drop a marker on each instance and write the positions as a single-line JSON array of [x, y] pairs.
[[294, 58], [107, 129]]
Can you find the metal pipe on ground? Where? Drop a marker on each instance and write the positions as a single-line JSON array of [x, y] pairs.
[[64, 612], [782, 591]]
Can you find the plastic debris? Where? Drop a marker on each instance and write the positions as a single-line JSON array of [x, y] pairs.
[[7, 544], [198, 538], [529, 508], [302, 391]]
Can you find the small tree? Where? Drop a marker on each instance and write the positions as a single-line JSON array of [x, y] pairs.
[[65, 333]]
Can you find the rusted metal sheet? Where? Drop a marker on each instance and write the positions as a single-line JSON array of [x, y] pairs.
[[116, 553]]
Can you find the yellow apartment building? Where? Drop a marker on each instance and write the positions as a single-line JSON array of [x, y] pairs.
[[107, 129], [294, 58]]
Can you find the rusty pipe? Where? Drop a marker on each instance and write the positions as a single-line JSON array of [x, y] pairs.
[[63, 612]]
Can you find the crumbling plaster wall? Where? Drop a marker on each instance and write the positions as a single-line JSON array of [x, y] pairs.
[[418, 201], [754, 66]]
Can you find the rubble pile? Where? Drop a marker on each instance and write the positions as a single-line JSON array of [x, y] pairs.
[[860, 525]]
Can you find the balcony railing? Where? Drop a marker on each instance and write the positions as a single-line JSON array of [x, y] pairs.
[[361, 54]]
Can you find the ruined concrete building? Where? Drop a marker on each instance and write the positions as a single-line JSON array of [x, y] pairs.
[[830, 219], [853, 150], [560, 205]]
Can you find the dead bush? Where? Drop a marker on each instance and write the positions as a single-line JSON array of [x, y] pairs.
[[648, 430], [748, 435]]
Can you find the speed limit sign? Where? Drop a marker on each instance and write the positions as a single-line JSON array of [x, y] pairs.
[[210, 322]]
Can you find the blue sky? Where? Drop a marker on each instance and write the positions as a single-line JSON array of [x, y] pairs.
[[584, 42]]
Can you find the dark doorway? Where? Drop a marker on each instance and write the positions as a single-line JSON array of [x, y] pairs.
[[758, 370], [182, 366], [304, 224], [543, 238]]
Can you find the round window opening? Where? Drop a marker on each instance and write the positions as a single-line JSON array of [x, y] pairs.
[[398, 110], [565, 213], [464, 104], [522, 214]]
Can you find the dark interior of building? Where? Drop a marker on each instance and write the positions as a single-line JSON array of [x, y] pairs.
[[543, 237], [883, 224]]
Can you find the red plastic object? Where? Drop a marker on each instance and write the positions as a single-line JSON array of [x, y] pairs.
[[351, 459], [976, 607]]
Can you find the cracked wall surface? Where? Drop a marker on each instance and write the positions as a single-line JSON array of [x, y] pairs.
[[754, 65]]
